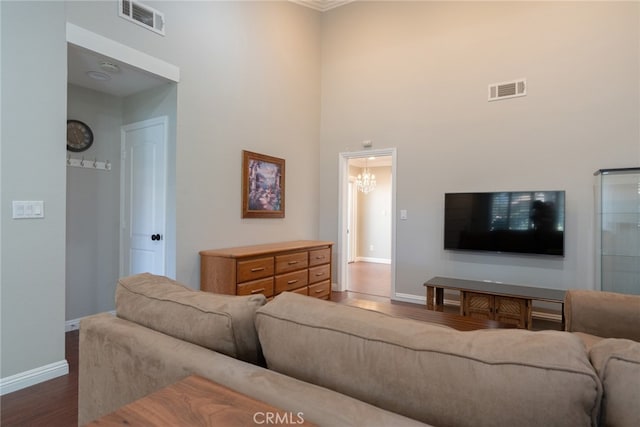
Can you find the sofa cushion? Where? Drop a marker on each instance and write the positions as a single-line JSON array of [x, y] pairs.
[[121, 361], [224, 323], [436, 375], [617, 362], [588, 340]]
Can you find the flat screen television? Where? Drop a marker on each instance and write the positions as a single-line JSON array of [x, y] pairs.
[[529, 222]]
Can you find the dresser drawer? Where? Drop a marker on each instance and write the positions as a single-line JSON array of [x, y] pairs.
[[291, 281], [301, 291], [320, 273], [260, 286], [320, 290], [254, 269], [319, 256], [291, 262]]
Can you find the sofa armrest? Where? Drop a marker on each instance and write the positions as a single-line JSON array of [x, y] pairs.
[[604, 314]]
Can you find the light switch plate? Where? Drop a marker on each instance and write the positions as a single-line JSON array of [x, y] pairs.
[[24, 209]]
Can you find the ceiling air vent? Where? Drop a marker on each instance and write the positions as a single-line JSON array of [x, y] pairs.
[[507, 90], [141, 14]]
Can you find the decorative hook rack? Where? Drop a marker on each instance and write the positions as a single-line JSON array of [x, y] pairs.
[[88, 163]]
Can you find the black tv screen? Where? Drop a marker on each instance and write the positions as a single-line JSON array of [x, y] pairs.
[[521, 222]]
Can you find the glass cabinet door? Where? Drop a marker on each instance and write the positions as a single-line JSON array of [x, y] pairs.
[[618, 232]]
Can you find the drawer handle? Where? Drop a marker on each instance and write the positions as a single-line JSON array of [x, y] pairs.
[[320, 257], [319, 274], [293, 262], [319, 290], [291, 282], [253, 270], [257, 291]]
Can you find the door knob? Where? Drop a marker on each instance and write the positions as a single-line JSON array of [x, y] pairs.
[[156, 237]]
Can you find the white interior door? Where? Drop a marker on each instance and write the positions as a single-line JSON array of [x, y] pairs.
[[143, 197]]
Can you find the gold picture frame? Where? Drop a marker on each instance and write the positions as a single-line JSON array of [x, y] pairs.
[[263, 180]]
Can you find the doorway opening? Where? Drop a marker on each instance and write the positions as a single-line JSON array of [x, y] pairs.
[[131, 87], [366, 244]]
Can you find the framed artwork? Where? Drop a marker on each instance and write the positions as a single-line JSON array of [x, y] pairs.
[[262, 186]]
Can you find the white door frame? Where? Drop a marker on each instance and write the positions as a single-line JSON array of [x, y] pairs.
[[352, 221], [343, 220], [164, 120], [128, 55]]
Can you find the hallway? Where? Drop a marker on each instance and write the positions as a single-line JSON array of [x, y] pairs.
[[370, 278]]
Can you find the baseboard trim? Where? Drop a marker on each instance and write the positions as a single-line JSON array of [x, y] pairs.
[[454, 302], [547, 316], [374, 260], [416, 299], [74, 324], [32, 377]]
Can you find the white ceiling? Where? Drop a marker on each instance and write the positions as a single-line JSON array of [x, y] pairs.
[[127, 81], [322, 5]]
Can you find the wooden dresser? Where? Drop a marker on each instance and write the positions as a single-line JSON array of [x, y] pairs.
[[301, 266]]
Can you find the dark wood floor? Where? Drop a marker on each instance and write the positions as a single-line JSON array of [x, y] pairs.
[[54, 403]]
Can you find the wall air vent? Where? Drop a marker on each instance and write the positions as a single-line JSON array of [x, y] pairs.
[[141, 14], [507, 90]]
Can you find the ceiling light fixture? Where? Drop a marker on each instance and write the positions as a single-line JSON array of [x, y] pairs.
[[366, 181], [109, 67], [97, 75]]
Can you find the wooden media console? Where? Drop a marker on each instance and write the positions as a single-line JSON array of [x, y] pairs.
[[492, 300]]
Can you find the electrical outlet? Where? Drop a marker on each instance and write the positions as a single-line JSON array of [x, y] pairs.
[[371, 248]]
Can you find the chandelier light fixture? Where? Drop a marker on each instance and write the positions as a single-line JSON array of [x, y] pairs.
[[366, 181]]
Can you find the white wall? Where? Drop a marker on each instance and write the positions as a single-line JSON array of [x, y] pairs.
[[33, 129], [93, 207], [414, 75]]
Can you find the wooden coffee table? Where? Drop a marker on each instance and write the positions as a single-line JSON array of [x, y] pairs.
[[197, 401]]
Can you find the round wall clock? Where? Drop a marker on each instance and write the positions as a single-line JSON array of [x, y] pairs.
[[79, 136]]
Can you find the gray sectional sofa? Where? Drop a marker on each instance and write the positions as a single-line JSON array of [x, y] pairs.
[[345, 366]]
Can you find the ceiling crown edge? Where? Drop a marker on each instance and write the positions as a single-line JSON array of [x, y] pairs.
[[322, 5]]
